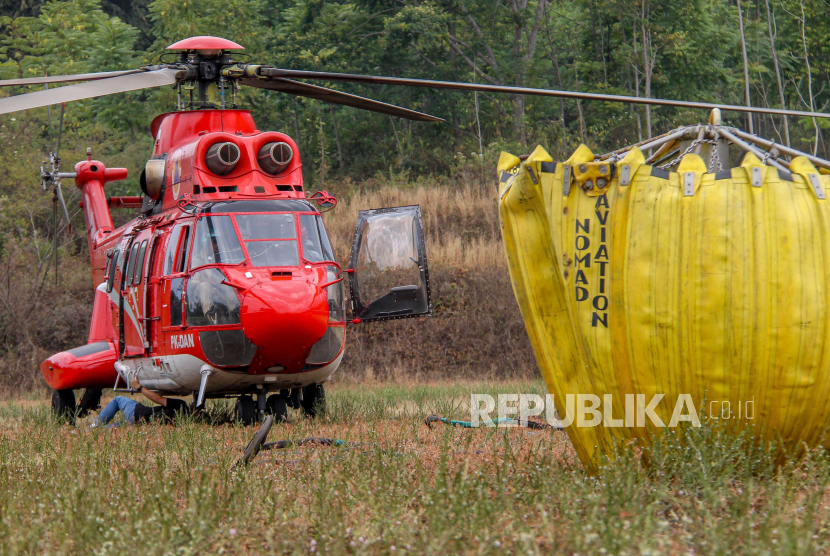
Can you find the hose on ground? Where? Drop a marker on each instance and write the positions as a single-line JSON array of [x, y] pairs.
[[527, 423]]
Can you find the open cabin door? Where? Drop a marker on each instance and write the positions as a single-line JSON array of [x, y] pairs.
[[388, 274], [132, 292]]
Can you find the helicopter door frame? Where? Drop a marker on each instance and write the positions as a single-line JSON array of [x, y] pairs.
[[159, 280], [165, 279], [135, 288], [151, 317], [125, 248]]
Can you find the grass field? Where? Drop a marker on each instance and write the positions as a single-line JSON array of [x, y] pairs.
[[159, 489]]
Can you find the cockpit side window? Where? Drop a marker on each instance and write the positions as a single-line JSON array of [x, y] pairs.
[[209, 301], [182, 258], [328, 250], [316, 245], [170, 252], [215, 242]]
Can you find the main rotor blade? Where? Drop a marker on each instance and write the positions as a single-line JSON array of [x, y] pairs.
[[65, 78], [60, 133], [124, 83], [336, 97], [483, 87]]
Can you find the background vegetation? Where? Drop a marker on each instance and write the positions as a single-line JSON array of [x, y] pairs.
[[691, 50]]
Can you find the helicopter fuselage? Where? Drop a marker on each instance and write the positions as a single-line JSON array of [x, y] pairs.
[[228, 271]]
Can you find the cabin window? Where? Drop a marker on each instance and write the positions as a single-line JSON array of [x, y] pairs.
[[182, 258], [215, 242], [122, 264], [170, 252], [209, 301], [176, 289], [270, 239], [139, 265], [113, 265], [128, 276]]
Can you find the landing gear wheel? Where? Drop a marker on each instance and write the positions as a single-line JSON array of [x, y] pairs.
[[90, 401], [292, 397], [314, 400], [295, 398], [245, 411], [63, 405], [275, 405]]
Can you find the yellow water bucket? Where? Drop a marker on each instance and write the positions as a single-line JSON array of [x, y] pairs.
[[711, 289]]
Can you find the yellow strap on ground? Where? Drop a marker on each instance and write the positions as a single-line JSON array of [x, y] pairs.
[[719, 289]]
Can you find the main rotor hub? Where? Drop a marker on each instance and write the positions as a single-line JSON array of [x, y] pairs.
[[206, 45], [206, 58]]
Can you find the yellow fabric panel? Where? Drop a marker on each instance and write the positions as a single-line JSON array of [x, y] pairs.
[[538, 288], [642, 289]]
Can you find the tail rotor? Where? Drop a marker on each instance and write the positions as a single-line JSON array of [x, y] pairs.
[[51, 177]]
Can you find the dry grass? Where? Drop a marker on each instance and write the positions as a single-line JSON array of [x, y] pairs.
[[461, 223], [476, 330]]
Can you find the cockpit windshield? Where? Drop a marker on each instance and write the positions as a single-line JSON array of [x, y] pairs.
[[266, 226], [271, 238]]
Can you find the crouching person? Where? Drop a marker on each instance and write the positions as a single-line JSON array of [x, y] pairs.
[[168, 409]]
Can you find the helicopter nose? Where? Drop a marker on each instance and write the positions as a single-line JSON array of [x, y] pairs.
[[284, 319]]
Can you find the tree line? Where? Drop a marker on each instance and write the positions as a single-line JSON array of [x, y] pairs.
[[764, 52]]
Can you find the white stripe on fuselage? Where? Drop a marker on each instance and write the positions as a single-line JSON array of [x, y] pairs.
[[115, 297]]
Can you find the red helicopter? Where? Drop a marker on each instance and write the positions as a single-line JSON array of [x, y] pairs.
[[226, 283]]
